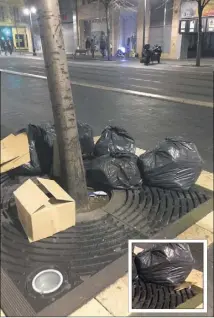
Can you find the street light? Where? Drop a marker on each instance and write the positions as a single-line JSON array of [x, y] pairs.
[[30, 11], [144, 22]]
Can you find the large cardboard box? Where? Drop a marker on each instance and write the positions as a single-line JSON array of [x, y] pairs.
[[14, 152], [44, 208]]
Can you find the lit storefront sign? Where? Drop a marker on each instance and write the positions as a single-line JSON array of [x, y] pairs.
[[5, 32], [209, 9], [210, 24], [191, 26], [183, 26], [189, 9]]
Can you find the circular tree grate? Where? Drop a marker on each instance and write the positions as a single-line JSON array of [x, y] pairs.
[[153, 296], [88, 247]]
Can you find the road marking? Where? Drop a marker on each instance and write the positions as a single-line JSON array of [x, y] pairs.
[[148, 87], [22, 74], [35, 66], [39, 72], [179, 100], [143, 80]]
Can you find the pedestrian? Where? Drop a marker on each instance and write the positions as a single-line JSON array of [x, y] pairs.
[[103, 46], [87, 46], [9, 46], [93, 46], [3, 46], [110, 46]]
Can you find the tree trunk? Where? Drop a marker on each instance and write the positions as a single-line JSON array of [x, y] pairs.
[[198, 54], [72, 170], [108, 32]]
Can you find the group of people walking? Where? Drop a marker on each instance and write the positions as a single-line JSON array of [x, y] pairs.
[[6, 46], [90, 46]]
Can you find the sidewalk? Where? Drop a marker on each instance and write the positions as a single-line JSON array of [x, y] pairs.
[[131, 62], [113, 301]]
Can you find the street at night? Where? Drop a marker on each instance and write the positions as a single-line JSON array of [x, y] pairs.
[[106, 165], [148, 119]]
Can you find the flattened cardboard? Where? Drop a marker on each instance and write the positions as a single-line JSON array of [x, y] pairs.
[[7, 153], [43, 215], [14, 152]]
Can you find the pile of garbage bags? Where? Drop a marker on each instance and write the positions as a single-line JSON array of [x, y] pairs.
[[112, 163], [163, 264], [174, 164]]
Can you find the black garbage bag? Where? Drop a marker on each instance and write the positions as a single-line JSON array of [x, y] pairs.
[[86, 138], [118, 172], [165, 264], [174, 164], [134, 269], [114, 140], [40, 139]]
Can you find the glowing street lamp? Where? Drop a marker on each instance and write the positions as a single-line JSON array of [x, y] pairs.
[[30, 11]]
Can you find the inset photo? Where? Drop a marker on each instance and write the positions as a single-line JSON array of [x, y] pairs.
[[168, 276]]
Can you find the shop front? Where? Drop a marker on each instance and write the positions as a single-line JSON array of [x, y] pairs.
[[188, 27], [20, 39], [17, 35], [6, 33]]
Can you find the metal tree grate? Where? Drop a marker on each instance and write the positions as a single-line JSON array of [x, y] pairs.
[[153, 296], [84, 250]]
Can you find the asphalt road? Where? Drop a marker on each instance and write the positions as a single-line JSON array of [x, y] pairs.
[[149, 120], [180, 82]]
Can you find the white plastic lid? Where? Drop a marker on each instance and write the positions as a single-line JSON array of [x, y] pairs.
[[47, 281]]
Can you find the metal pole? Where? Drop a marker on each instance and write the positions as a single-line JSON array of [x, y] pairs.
[[77, 24], [164, 25], [17, 33], [72, 170], [31, 31], [144, 23]]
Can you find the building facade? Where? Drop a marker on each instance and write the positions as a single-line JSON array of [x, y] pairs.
[[163, 21], [188, 26], [13, 24], [169, 23]]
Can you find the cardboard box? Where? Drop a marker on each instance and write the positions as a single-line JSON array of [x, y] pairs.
[[14, 152], [44, 208]]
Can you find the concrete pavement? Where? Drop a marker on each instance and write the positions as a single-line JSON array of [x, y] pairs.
[[182, 83], [98, 57]]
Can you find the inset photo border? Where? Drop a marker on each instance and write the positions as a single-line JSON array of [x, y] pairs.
[[145, 293]]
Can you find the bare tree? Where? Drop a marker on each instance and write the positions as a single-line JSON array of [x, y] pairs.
[[72, 170], [114, 5], [201, 5]]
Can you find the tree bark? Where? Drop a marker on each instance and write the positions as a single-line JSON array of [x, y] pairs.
[[108, 32], [198, 54], [72, 170]]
